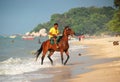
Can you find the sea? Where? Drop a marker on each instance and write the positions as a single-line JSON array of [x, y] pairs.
[[17, 59]]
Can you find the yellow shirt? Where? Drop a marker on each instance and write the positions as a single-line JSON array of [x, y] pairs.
[[53, 31]]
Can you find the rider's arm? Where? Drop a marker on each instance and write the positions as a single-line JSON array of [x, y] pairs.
[[52, 34]]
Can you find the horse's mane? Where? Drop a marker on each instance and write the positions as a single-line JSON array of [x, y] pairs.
[[64, 29]]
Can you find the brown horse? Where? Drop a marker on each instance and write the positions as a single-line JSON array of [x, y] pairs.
[[63, 46]]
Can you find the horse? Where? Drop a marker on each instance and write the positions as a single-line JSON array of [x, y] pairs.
[[63, 46]]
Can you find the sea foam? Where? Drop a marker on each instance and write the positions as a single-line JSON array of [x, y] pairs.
[[13, 66]]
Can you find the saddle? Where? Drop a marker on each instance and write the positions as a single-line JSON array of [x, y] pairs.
[[57, 39]]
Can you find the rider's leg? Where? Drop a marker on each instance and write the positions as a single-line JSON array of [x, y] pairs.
[[55, 41]]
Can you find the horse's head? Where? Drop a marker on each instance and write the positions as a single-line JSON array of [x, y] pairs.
[[68, 31]]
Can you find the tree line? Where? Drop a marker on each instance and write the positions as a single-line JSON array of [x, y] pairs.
[[85, 20]]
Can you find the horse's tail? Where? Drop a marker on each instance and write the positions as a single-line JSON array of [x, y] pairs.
[[38, 52]]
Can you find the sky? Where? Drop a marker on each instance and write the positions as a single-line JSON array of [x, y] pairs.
[[21, 16]]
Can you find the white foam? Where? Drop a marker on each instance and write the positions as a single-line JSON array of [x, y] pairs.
[[13, 66]]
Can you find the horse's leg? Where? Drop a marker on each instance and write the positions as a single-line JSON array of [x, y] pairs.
[[49, 56], [43, 56], [67, 57], [62, 57]]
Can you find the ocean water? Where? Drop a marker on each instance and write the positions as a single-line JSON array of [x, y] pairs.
[[17, 63]]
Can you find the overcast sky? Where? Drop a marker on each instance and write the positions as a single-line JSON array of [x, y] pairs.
[[21, 16]]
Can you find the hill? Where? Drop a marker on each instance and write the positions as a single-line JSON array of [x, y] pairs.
[[90, 20]]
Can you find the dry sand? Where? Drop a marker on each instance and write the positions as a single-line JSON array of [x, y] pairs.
[[105, 72]]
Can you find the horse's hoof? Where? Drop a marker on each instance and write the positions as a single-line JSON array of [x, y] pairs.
[[64, 64]]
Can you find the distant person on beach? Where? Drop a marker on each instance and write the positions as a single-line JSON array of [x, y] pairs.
[[53, 33], [81, 37], [39, 41]]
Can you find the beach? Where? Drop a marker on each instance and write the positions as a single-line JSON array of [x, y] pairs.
[[92, 59], [98, 62], [106, 71]]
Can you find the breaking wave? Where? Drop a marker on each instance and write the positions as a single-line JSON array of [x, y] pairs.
[[13, 66]]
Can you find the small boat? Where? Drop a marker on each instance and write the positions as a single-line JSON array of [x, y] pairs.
[[13, 36], [28, 37]]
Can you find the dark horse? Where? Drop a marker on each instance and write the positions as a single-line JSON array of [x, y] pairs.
[[63, 46]]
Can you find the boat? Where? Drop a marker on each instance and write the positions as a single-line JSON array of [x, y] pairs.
[[26, 37], [13, 36]]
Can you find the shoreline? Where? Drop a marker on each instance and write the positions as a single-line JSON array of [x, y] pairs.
[[99, 62]]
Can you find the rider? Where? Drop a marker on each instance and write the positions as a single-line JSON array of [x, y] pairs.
[[53, 33]]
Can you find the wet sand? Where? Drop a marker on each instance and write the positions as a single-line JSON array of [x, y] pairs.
[[99, 62]]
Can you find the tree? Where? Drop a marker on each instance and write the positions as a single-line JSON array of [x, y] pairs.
[[90, 20], [114, 24]]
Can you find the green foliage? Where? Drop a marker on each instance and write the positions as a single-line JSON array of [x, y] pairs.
[[89, 20], [114, 24]]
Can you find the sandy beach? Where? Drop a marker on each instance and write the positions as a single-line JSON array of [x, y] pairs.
[[99, 62], [104, 72]]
